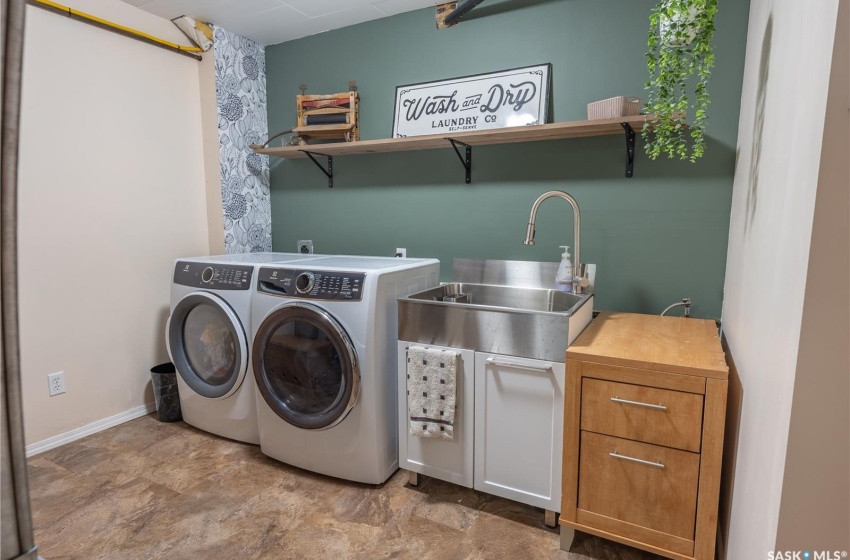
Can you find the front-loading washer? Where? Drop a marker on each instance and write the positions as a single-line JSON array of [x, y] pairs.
[[207, 336], [324, 361]]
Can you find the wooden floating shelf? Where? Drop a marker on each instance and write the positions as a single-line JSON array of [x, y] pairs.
[[553, 131], [535, 133]]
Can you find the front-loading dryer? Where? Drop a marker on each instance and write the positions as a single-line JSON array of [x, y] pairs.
[[324, 361], [207, 335]]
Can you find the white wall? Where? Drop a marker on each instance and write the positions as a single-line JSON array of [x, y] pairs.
[[786, 78], [815, 510], [111, 191]]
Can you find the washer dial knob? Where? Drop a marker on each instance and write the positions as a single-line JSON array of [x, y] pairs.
[[304, 282], [207, 275]]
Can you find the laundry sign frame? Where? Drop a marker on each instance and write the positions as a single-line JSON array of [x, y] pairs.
[[485, 101]]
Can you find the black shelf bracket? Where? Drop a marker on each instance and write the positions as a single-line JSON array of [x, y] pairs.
[[329, 171], [630, 149], [466, 162]]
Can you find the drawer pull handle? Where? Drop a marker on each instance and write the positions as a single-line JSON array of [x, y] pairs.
[[641, 461], [493, 362], [637, 403]]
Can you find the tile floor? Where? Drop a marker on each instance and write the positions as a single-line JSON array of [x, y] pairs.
[[145, 490]]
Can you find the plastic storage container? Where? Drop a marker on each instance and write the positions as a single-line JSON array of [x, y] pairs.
[[164, 380]]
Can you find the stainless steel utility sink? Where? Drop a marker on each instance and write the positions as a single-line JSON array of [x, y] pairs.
[[517, 298], [513, 320]]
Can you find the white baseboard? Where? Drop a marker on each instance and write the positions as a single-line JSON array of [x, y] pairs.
[[89, 429]]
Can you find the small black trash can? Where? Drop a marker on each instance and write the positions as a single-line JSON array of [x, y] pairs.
[[164, 379]]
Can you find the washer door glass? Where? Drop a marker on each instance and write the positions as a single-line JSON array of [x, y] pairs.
[[207, 345], [211, 344], [306, 367]]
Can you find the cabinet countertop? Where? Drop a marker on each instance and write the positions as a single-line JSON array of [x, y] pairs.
[[671, 344]]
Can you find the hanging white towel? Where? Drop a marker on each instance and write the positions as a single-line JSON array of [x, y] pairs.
[[431, 391]]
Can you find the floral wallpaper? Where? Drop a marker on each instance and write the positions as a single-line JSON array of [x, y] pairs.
[[240, 84]]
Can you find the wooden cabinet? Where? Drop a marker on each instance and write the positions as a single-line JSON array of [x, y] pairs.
[[645, 402]]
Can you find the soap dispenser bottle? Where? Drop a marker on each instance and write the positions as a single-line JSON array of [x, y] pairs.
[[564, 278]]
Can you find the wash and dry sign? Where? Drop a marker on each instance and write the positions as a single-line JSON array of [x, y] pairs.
[[518, 97]]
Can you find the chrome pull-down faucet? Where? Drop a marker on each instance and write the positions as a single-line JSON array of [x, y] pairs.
[[579, 273]]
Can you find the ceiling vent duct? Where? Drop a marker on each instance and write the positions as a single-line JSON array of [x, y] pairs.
[[199, 33]]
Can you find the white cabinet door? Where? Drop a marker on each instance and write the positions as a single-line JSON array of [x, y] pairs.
[[449, 460], [519, 411]]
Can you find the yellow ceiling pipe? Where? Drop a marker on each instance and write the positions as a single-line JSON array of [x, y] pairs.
[[124, 30]]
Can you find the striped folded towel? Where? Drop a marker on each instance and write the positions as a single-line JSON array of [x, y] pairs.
[[431, 391]]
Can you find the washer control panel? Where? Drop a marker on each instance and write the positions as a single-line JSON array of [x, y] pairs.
[[213, 276], [311, 284]]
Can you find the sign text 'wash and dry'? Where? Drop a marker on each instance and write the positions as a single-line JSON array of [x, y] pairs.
[[502, 99]]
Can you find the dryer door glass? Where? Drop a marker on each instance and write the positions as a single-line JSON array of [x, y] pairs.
[[306, 367], [207, 345]]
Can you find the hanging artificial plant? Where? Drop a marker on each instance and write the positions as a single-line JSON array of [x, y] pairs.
[[679, 42]]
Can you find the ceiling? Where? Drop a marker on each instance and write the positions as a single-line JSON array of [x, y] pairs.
[[274, 21]]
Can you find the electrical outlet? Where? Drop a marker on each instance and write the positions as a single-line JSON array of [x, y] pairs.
[[401, 252], [305, 246], [56, 383]]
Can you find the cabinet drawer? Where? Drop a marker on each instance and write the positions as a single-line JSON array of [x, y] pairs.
[[645, 485], [660, 416]]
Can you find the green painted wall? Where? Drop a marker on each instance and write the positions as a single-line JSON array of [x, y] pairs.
[[656, 238]]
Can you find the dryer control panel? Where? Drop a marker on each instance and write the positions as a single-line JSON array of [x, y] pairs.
[[213, 276], [311, 284]]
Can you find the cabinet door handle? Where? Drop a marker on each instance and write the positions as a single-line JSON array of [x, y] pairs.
[[641, 461], [637, 403], [495, 362]]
